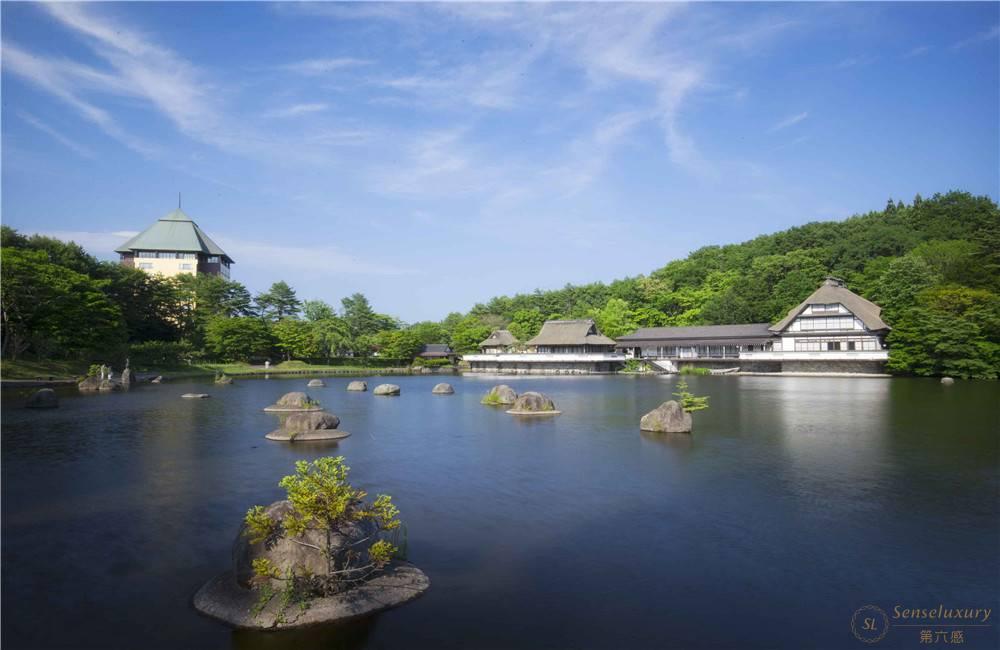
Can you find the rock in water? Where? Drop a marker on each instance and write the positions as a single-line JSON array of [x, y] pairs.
[[45, 398], [532, 403], [107, 386], [386, 389], [156, 380], [668, 417], [316, 383], [315, 425], [947, 381], [195, 395], [501, 395], [443, 389], [229, 596], [127, 377], [91, 383], [224, 379], [295, 401], [358, 386]]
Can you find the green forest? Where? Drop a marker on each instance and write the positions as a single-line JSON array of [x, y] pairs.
[[933, 265]]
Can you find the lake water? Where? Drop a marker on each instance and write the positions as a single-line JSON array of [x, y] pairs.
[[795, 502]]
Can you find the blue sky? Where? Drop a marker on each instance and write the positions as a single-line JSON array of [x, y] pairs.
[[432, 156]]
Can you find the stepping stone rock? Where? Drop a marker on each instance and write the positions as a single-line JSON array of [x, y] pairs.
[[502, 395], [195, 395], [532, 403], [443, 389], [386, 389], [294, 401], [358, 386], [947, 381], [91, 383], [668, 417], [45, 398], [316, 425], [316, 383], [156, 380]]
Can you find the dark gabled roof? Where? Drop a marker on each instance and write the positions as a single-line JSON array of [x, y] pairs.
[[173, 232], [435, 350], [833, 291], [709, 334], [499, 337], [570, 332]]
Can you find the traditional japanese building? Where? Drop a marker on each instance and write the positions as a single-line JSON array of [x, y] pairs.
[[561, 347], [834, 330], [498, 342], [175, 245], [437, 351]]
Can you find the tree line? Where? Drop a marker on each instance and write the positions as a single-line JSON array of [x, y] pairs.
[[933, 265]]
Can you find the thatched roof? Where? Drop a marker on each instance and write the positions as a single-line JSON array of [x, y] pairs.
[[570, 332], [834, 291], [499, 338]]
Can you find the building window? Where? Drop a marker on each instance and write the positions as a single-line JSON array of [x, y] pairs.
[[830, 323], [146, 254], [186, 267], [145, 265], [213, 259]]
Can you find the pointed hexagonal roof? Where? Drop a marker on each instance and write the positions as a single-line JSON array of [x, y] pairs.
[[174, 232]]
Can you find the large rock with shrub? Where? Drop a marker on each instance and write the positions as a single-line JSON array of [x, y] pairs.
[[89, 384], [668, 417], [294, 401], [533, 403], [502, 395]]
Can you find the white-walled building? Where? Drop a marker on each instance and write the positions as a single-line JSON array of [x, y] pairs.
[[173, 245], [833, 330]]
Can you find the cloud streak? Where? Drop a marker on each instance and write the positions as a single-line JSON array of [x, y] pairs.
[[74, 146], [791, 120]]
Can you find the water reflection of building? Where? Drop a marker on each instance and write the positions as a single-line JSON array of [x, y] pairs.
[[833, 330]]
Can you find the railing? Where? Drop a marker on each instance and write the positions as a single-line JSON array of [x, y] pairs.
[[528, 357], [828, 355]]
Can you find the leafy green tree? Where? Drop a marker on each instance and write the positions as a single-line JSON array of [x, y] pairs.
[[238, 339], [296, 338], [278, 302], [317, 310], [54, 311], [398, 344], [468, 334], [954, 261], [615, 318], [332, 337], [429, 332], [526, 324], [896, 289], [152, 306]]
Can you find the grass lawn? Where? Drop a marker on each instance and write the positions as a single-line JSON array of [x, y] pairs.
[[75, 369]]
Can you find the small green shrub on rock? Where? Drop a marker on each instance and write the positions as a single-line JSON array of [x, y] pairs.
[[689, 402], [331, 521]]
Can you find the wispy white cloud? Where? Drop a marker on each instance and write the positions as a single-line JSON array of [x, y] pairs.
[[789, 121], [296, 110], [56, 135], [855, 61], [917, 51], [316, 67], [981, 37], [318, 261]]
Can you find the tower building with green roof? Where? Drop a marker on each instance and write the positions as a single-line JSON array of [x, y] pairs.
[[175, 245]]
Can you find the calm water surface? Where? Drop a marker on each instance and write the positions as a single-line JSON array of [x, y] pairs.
[[795, 502]]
